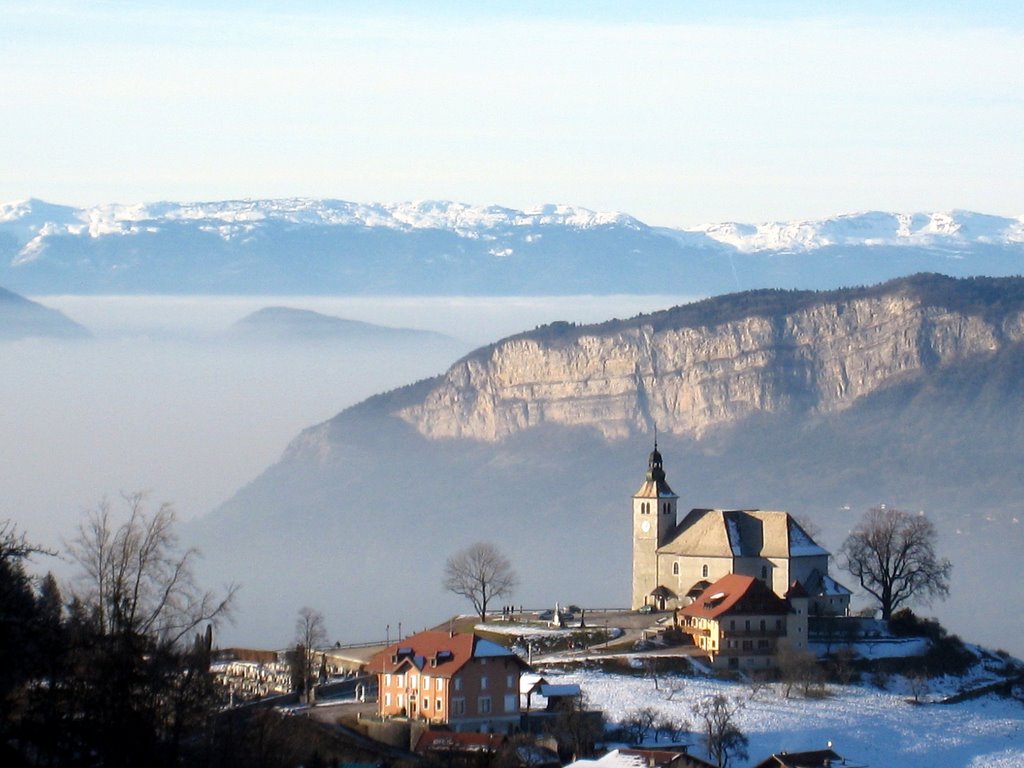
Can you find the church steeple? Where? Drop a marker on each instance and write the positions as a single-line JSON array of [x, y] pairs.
[[655, 470], [655, 484], [654, 520]]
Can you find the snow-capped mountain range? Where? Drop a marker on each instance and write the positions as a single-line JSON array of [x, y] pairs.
[[327, 246], [952, 228]]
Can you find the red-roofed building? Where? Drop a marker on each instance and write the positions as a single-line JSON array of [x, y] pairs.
[[740, 623], [462, 680]]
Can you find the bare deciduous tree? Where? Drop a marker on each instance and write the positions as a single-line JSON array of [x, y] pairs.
[[136, 580], [672, 687], [480, 573], [672, 727], [310, 634], [140, 655], [640, 722], [716, 717], [892, 556], [799, 669]]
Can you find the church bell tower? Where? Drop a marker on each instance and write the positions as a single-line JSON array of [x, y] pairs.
[[654, 519]]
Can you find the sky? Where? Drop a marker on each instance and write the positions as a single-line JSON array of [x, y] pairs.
[[678, 113]]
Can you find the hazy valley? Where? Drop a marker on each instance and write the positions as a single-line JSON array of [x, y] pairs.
[[822, 404]]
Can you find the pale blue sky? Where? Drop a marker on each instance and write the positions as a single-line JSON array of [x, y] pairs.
[[679, 113]]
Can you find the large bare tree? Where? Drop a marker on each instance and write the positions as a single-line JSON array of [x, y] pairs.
[[722, 737], [310, 634], [141, 634], [892, 555], [480, 573], [136, 580]]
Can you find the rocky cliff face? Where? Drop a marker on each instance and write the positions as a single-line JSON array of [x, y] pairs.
[[686, 372], [907, 394]]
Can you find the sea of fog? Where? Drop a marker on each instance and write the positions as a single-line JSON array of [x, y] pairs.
[[162, 399]]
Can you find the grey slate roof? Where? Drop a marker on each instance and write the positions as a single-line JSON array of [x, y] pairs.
[[733, 533]]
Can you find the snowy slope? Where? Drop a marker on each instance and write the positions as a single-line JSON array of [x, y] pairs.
[[865, 725]]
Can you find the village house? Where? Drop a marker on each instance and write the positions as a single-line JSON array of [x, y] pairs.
[[643, 758], [674, 562], [460, 680], [556, 697], [818, 758], [741, 624]]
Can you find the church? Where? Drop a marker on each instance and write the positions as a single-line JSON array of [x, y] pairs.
[[675, 561]]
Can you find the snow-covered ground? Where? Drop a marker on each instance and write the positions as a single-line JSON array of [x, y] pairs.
[[866, 725]]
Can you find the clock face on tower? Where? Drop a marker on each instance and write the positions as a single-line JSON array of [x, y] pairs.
[[645, 526]]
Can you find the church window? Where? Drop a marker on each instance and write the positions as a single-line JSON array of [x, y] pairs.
[[764, 571], [704, 571], [675, 569]]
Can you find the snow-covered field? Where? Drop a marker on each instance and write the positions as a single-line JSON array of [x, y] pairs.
[[866, 725]]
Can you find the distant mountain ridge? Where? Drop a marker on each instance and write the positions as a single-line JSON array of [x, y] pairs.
[[289, 323], [822, 404], [440, 247], [22, 318]]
